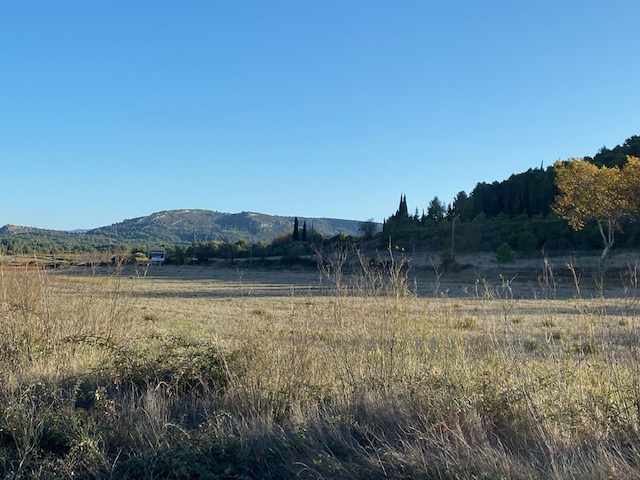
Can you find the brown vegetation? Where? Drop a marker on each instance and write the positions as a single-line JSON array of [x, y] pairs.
[[206, 373]]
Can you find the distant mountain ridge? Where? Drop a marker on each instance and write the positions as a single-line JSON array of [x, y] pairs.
[[188, 225]]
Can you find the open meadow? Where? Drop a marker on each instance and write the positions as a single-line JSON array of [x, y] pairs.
[[236, 373]]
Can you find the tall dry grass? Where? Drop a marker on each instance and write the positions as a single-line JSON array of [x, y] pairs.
[[112, 377], [43, 325]]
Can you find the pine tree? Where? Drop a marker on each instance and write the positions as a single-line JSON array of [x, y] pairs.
[[296, 233], [436, 209]]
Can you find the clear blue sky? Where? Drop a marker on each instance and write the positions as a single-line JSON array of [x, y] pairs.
[[118, 109]]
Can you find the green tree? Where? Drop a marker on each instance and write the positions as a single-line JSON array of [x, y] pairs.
[[296, 232], [368, 228], [399, 221], [403, 210], [618, 156], [526, 242], [436, 209], [304, 231], [504, 254]]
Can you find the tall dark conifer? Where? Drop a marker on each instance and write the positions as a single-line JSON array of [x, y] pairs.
[[296, 233], [403, 210], [304, 231]]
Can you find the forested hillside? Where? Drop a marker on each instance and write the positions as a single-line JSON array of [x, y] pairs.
[[172, 227], [532, 192], [516, 211]]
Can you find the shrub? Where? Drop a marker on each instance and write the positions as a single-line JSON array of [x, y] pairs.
[[446, 255], [504, 254], [526, 242], [446, 259], [468, 323]]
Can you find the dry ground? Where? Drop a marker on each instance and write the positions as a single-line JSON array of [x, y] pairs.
[[177, 372]]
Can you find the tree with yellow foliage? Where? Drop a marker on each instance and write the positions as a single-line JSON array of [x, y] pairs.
[[606, 195]]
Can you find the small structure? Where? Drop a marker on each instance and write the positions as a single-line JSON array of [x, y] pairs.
[[156, 255]]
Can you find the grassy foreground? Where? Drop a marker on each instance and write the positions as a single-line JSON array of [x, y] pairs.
[[141, 376]]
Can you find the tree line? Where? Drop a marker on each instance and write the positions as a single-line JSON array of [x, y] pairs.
[[522, 211], [528, 211]]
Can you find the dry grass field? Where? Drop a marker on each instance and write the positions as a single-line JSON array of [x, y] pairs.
[[225, 373]]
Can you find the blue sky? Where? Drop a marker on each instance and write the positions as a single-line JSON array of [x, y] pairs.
[[114, 110]]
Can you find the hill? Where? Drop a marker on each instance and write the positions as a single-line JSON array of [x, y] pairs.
[[187, 226], [175, 227], [516, 211]]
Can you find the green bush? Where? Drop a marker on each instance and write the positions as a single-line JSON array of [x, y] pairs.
[[446, 256], [526, 242], [504, 254]]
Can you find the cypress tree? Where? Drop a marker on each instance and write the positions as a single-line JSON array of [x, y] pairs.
[[403, 210], [304, 231], [296, 233]]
